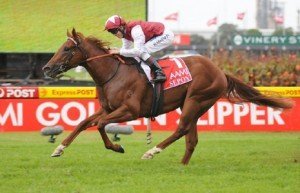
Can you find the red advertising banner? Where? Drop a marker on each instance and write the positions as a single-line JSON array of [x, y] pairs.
[[182, 39], [33, 114], [19, 92], [78, 92]]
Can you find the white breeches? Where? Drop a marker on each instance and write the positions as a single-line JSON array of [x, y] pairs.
[[158, 43]]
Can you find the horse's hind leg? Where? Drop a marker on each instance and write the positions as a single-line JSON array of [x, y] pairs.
[[192, 110], [191, 140]]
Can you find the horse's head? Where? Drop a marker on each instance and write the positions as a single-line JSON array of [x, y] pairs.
[[68, 56]]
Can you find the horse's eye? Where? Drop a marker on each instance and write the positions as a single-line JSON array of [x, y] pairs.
[[66, 49]]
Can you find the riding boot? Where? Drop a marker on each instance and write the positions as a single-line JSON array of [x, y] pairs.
[[159, 75]]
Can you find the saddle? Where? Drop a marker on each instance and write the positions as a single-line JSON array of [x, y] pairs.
[[158, 88], [177, 74]]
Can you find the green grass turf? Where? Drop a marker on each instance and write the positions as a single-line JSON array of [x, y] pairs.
[[222, 162], [41, 25]]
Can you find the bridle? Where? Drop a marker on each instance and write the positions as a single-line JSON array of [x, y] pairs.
[[72, 53], [83, 52]]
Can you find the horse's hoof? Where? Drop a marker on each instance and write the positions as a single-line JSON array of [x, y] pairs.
[[147, 156], [150, 153], [121, 149], [58, 151], [55, 155]]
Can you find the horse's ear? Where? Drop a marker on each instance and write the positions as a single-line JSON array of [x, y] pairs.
[[75, 35], [68, 34]]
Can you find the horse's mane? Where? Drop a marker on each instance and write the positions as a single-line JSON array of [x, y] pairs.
[[105, 46], [99, 43]]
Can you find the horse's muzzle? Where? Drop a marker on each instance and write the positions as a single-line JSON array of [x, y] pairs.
[[47, 71], [53, 70]]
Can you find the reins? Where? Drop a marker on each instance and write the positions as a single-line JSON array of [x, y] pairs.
[[112, 75], [83, 52], [91, 58], [105, 55]]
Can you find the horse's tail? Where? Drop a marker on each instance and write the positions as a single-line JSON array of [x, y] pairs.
[[237, 91]]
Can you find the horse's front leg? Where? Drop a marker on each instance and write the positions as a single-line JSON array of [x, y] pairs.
[[89, 122], [121, 114]]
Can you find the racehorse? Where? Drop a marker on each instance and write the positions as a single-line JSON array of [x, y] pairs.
[[125, 95]]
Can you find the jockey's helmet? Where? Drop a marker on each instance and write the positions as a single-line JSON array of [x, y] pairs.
[[114, 22]]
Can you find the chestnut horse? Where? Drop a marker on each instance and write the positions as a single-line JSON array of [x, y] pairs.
[[125, 95]]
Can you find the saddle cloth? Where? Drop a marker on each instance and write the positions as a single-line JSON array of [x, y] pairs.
[[175, 69]]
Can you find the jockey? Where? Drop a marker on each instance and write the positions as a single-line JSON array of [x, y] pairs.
[[140, 39]]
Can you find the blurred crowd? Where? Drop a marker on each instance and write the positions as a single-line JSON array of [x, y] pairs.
[[263, 69]]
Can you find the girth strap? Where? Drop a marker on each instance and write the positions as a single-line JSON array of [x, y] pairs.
[[157, 100]]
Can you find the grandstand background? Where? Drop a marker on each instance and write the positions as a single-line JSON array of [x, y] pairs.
[[30, 37]]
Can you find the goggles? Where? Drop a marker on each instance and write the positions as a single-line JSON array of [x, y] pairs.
[[113, 31]]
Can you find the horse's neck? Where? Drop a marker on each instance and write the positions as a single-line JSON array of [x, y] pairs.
[[101, 69]]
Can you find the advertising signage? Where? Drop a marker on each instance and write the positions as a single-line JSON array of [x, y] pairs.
[[32, 108], [34, 114], [241, 40]]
